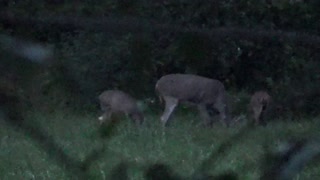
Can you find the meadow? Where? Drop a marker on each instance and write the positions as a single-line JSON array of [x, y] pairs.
[[64, 144]]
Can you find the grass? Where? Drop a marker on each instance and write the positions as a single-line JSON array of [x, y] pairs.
[[66, 145]]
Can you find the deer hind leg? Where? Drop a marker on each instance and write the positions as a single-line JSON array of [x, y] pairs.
[[171, 104], [205, 115]]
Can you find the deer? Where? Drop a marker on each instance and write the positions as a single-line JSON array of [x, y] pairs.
[[205, 93], [119, 102], [260, 103]]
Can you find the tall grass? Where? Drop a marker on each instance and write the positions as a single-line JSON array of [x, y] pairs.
[[67, 144]]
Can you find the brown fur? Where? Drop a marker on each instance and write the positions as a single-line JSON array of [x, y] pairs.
[[259, 105], [187, 88], [118, 102]]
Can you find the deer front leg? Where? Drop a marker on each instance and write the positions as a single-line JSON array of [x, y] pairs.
[[106, 115], [171, 104], [257, 115]]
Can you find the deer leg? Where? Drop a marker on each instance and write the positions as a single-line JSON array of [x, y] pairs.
[[205, 114], [262, 118], [137, 117], [222, 108], [257, 115], [171, 104], [106, 115], [223, 117]]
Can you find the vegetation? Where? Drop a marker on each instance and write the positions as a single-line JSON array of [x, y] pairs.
[[81, 150]]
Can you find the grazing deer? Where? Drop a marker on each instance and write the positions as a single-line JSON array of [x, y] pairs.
[[259, 105], [207, 94], [118, 102]]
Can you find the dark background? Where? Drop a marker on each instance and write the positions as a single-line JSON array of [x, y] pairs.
[[121, 44]]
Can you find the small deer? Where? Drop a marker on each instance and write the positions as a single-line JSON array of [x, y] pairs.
[[207, 94], [258, 106], [118, 102]]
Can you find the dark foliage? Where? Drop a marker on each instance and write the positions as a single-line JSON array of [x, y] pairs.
[[246, 44]]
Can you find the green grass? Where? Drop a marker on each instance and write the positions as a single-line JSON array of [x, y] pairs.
[[62, 145]]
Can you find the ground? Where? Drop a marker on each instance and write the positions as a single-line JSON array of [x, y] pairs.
[[68, 145]]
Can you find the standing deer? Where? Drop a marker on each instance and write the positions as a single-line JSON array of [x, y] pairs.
[[207, 94], [118, 102], [259, 105]]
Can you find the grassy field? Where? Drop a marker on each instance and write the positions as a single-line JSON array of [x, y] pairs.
[[66, 145]]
